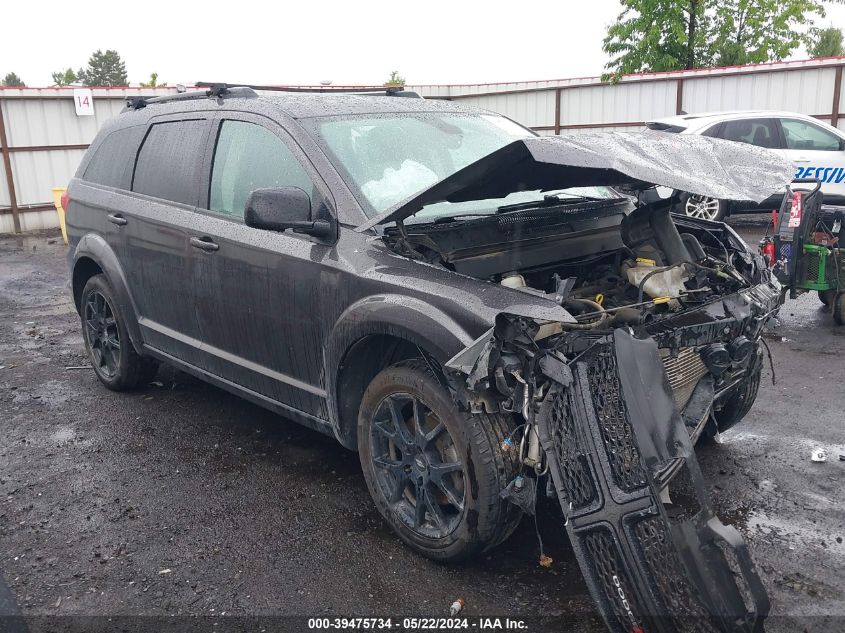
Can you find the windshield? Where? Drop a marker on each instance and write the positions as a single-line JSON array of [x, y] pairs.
[[386, 159]]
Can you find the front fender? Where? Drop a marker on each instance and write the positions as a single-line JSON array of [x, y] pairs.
[[94, 247], [407, 318]]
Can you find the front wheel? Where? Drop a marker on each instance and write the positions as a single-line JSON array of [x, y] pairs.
[[739, 401], [701, 207], [435, 473]]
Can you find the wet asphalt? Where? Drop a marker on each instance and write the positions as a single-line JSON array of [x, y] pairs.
[[180, 499]]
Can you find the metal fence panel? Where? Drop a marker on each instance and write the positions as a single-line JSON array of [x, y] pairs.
[[45, 142], [617, 103], [808, 92], [532, 109]]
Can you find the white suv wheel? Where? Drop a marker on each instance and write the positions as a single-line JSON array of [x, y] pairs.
[[702, 207]]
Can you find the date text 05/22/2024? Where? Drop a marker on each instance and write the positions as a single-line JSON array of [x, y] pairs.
[[418, 624]]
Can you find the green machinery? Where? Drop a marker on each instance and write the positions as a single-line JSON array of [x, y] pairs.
[[804, 251]]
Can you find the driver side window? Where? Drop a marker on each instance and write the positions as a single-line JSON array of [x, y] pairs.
[[249, 157]]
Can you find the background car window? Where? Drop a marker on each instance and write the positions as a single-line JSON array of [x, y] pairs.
[[113, 160], [250, 157], [713, 131], [759, 132], [806, 136], [170, 160]]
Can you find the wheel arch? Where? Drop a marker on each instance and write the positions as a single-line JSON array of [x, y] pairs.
[[373, 334], [93, 256]]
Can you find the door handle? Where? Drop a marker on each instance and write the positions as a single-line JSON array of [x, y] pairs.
[[117, 218], [204, 244]]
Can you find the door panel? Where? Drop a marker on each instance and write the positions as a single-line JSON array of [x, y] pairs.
[[259, 295], [258, 304], [817, 153], [159, 216]]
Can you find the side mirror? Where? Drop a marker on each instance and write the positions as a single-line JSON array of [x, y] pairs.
[[284, 208]]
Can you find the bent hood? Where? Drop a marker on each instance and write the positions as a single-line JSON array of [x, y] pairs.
[[690, 163]]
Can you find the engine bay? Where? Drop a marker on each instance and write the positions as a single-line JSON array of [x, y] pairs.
[[607, 262]]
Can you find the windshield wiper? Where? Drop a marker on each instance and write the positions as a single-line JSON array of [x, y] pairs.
[[547, 201], [459, 216]]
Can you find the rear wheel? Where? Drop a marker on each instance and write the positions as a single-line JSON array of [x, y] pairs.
[[701, 207], [839, 309], [827, 297], [115, 361], [435, 473]]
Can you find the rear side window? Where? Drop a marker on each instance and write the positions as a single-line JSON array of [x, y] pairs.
[[114, 158], [806, 136], [170, 159], [713, 131], [759, 132], [250, 157]]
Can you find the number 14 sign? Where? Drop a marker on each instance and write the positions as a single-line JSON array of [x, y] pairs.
[[83, 100]]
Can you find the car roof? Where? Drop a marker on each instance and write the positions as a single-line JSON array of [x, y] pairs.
[[302, 106], [700, 119]]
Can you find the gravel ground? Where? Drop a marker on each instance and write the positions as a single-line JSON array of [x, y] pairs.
[[182, 500]]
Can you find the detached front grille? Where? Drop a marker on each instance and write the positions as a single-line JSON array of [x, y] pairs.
[[684, 372], [622, 452]]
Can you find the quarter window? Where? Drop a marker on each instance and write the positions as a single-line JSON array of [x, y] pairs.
[[170, 160], [802, 135], [759, 132], [250, 157], [112, 162]]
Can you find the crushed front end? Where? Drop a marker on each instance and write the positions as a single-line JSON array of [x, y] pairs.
[[612, 405]]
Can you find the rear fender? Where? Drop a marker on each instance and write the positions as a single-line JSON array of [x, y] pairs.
[[95, 248]]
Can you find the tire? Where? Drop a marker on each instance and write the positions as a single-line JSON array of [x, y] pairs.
[[461, 469], [702, 207], [115, 361], [839, 309], [738, 403], [827, 297]]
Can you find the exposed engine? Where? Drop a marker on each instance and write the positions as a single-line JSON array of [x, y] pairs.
[[606, 266]]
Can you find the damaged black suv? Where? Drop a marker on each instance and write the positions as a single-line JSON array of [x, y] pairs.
[[473, 308]]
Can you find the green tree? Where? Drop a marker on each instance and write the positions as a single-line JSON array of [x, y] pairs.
[[64, 77], [153, 82], [661, 35], [12, 80], [395, 79], [754, 31], [826, 42], [104, 69]]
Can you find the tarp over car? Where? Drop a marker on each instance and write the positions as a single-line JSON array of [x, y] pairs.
[[695, 164]]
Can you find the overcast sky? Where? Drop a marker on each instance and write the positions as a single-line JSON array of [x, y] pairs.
[[304, 42]]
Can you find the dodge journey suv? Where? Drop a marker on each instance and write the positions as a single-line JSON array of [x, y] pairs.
[[481, 313]]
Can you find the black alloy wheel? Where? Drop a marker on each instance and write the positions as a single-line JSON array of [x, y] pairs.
[[435, 473], [112, 354], [102, 334], [417, 466]]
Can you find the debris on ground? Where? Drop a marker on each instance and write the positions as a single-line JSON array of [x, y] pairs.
[[819, 455], [456, 607]]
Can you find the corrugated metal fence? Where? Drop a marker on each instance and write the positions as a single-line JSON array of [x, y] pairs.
[[42, 141], [812, 87]]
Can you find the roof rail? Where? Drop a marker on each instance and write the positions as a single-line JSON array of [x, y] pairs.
[[218, 91], [389, 91]]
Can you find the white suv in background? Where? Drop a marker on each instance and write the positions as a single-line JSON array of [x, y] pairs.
[[816, 148]]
